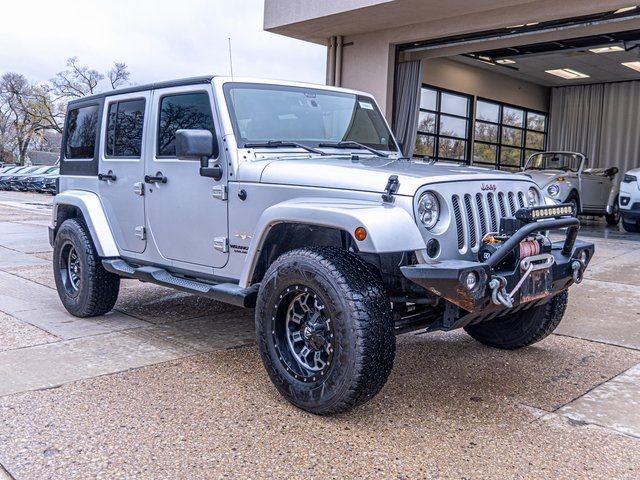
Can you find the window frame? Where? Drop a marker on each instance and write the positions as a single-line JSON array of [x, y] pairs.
[[159, 114], [524, 129], [468, 152], [107, 106]]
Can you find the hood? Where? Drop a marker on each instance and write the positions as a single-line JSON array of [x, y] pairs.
[[544, 177], [369, 174]]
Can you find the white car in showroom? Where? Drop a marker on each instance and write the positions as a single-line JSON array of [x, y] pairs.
[[565, 178], [630, 201]]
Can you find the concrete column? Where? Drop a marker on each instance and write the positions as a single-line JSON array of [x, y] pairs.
[[368, 65]]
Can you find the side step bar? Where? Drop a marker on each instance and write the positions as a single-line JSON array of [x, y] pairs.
[[223, 292]]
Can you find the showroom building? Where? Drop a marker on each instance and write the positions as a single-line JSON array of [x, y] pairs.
[[486, 83]]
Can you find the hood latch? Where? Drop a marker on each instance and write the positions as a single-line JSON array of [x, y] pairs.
[[392, 187]]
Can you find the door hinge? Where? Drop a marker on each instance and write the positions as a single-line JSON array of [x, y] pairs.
[[138, 188], [141, 232], [219, 192], [221, 244]]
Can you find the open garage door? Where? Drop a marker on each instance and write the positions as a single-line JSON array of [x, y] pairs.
[[494, 98]]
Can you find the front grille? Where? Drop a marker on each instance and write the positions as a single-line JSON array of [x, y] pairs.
[[474, 219]]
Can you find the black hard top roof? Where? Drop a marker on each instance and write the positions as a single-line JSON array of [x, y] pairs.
[[149, 86]]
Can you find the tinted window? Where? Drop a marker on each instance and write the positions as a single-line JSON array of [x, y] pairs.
[[124, 128], [191, 111], [81, 132]]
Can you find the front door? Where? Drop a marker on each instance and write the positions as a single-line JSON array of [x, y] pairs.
[[121, 168], [186, 213]]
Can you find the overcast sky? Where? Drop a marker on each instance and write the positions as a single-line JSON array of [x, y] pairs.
[[157, 39]]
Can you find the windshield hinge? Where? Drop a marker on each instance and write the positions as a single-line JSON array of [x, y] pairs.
[[219, 192], [392, 187]]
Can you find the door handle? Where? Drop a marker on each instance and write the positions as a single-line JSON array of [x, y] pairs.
[[157, 178], [109, 176]]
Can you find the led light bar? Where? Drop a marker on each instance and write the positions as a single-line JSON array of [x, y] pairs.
[[541, 213]]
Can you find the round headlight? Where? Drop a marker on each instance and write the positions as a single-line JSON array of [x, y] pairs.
[[428, 210], [533, 196], [553, 189]]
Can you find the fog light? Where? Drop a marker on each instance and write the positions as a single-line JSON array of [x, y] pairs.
[[433, 248], [471, 280]]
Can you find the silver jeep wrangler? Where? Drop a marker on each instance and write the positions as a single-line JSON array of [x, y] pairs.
[[295, 200]]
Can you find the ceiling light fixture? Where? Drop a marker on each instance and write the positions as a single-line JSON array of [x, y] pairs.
[[632, 65], [613, 48], [625, 9], [505, 61], [567, 73]]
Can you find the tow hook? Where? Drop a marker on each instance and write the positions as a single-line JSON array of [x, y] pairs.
[[578, 271], [499, 295]]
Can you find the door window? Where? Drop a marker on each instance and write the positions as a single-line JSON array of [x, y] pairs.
[[124, 129], [189, 111]]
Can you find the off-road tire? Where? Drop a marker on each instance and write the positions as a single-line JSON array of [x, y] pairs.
[[631, 227], [97, 290], [614, 218], [363, 336], [523, 328]]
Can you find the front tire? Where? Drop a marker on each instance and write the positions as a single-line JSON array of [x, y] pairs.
[[523, 328], [574, 200], [325, 329], [85, 288], [631, 227]]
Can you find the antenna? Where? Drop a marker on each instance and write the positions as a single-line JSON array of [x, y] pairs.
[[230, 57]]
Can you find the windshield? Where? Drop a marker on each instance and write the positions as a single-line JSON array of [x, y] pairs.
[[310, 116], [554, 161]]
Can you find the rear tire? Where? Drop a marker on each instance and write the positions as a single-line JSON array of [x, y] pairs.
[[614, 218], [325, 329], [521, 329], [631, 227], [85, 288]]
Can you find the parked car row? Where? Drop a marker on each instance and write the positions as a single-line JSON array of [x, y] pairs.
[[30, 179]]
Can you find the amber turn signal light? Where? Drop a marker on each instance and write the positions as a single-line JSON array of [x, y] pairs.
[[360, 234]]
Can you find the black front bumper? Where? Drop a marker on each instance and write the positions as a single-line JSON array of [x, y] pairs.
[[446, 279]]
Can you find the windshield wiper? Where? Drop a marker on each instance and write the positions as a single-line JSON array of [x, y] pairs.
[[352, 144], [282, 143]]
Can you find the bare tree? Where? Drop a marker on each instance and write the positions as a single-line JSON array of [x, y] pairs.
[[77, 80], [118, 75], [80, 80]]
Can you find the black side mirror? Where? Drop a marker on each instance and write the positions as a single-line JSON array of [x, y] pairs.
[[194, 144], [198, 145]]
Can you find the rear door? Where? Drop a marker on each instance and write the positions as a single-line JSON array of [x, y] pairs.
[[186, 213], [121, 168]]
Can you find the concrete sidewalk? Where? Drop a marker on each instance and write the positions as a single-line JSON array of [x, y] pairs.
[[170, 386]]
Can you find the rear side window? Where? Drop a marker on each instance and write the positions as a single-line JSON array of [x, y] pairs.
[[190, 111], [81, 132], [124, 128]]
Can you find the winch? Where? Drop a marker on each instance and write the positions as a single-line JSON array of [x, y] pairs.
[[534, 244]]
